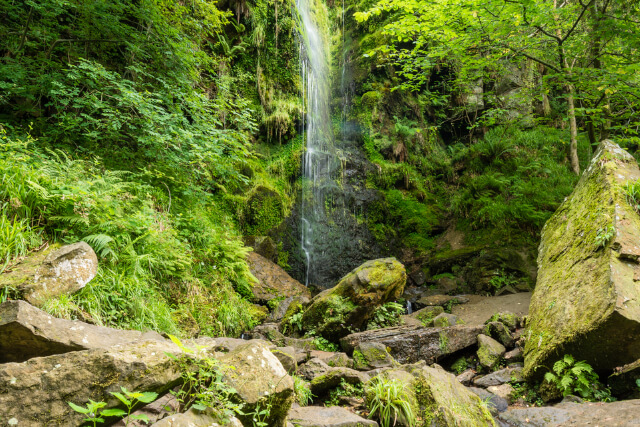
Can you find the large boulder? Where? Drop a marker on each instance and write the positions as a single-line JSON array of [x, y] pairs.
[[440, 397], [259, 380], [410, 344], [334, 416], [52, 272], [27, 332], [348, 305], [35, 393], [273, 281], [587, 300]]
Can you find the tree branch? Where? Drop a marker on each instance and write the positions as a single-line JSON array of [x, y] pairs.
[[575, 24]]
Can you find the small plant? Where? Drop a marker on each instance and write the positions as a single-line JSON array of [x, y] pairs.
[[95, 413], [604, 235], [632, 194], [324, 344], [293, 323], [344, 389], [443, 342], [92, 410], [204, 385], [388, 402], [570, 377], [301, 391], [386, 315], [501, 279], [130, 399], [526, 392]]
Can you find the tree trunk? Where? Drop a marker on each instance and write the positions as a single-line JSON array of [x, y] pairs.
[[573, 128]]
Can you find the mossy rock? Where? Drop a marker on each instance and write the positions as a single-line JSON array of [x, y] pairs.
[[490, 352], [439, 398], [372, 355], [347, 307], [587, 300]]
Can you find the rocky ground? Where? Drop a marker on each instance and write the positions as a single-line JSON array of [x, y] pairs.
[[459, 360]]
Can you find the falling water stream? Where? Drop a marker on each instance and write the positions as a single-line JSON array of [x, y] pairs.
[[320, 162]]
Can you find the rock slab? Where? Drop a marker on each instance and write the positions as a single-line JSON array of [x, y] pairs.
[[257, 375], [35, 393], [616, 414], [410, 344], [27, 332], [334, 416], [587, 299], [273, 281]]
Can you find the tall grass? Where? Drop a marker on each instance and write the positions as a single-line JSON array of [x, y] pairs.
[[149, 243]]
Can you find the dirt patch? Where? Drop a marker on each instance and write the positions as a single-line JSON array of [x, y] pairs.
[[479, 309]]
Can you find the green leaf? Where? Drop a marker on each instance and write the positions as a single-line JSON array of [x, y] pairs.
[[121, 398], [77, 408], [148, 397], [141, 417], [113, 413]]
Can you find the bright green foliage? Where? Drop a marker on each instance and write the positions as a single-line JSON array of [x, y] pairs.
[[604, 235], [142, 237], [204, 385], [509, 166], [502, 279], [477, 39], [570, 376], [324, 344], [130, 400], [386, 315], [301, 391], [344, 390], [632, 194], [92, 411], [388, 402]]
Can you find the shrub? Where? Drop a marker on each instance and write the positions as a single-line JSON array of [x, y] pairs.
[[389, 402]]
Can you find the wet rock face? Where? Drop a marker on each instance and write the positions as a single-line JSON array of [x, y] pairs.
[[349, 304], [587, 299], [52, 272]]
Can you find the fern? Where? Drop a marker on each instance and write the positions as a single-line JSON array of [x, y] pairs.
[[571, 377], [101, 244]]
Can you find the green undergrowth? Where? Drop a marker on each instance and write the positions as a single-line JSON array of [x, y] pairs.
[[159, 254]]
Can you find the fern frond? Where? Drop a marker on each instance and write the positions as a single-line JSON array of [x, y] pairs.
[[101, 245]]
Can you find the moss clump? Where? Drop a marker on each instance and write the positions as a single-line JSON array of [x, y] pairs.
[[510, 320]]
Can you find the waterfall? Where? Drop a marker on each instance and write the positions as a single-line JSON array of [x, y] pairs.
[[320, 163]]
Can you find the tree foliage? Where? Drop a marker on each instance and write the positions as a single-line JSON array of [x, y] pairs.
[[585, 50]]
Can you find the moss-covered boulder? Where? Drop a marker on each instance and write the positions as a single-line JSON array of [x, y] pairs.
[[439, 398], [490, 352], [347, 306], [587, 298], [372, 355]]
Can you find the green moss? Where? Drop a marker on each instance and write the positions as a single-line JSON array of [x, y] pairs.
[[359, 360]]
